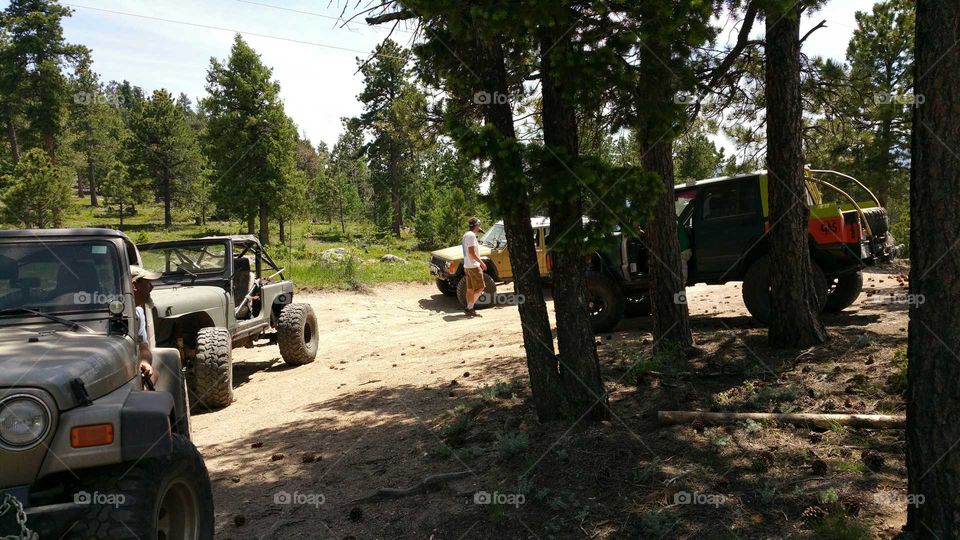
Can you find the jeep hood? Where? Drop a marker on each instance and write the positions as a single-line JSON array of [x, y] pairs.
[[455, 253], [51, 360]]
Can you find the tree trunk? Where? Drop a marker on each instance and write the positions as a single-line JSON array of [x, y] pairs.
[[251, 222], [509, 187], [92, 182], [167, 201], [395, 203], [12, 139], [121, 215], [80, 192], [283, 230], [933, 402], [579, 363], [264, 223], [795, 307], [671, 317], [49, 146]]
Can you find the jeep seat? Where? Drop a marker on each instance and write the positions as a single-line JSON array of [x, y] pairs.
[[241, 279], [75, 279]]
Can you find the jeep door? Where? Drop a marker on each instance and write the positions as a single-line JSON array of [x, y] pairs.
[[728, 221]]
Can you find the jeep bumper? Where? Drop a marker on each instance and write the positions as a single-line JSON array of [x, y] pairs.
[[48, 521]]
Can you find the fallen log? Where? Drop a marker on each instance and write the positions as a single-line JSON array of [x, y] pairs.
[[419, 487], [875, 421]]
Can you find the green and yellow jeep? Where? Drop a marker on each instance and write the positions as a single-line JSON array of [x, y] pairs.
[[727, 220], [446, 264]]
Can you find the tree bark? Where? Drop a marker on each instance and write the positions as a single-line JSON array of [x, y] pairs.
[[12, 139], [264, 223], [579, 363], [795, 306], [933, 401], [510, 189], [167, 201], [671, 316], [282, 230], [92, 180]]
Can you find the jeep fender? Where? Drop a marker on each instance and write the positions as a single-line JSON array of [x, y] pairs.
[[170, 380]]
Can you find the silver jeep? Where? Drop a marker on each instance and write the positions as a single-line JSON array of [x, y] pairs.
[[221, 292], [86, 451]]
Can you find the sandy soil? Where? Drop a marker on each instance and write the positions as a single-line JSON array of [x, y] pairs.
[[392, 365]]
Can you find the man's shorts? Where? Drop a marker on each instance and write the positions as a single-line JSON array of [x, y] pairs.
[[474, 278]]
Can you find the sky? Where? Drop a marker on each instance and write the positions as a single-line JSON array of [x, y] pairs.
[[311, 54]]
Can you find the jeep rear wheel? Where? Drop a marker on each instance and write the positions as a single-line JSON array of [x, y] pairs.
[[447, 288], [210, 378], [605, 303], [486, 299], [844, 291], [638, 306], [297, 334], [166, 498], [756, 288]]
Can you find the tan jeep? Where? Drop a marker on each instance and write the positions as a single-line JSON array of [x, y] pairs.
[[446, 264]]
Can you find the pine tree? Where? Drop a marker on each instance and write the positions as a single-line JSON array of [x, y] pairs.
[[39, 192]]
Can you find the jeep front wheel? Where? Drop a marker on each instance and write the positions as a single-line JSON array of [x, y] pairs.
[[486, 299], [844, 291], [447, 288], [166, 497], [297, 334], [210, 378], [756, 288], [605, 303]]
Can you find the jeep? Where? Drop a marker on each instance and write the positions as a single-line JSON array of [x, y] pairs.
[[446, 265], [727, 220], [87, 448], [220, 292]]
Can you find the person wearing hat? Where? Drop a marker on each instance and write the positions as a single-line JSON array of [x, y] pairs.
[[473, 267], [142, 287]]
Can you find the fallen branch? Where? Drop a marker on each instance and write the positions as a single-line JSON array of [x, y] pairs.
[[419, 487], [875, 421]]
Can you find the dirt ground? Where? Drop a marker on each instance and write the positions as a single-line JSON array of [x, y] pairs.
[[405, 387]]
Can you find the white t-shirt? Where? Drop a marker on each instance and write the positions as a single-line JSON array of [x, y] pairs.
[[470, 239], [141, 325]]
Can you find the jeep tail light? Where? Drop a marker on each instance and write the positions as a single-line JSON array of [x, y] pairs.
[[453, 267], [95, 435]]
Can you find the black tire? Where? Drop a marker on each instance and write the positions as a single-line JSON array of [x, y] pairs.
[[297, 334], [605, 302], [210, 378], [638, 306], [878, 220], [843, 291], [165, 498], [486, 299], [447, 288], [756, 288]]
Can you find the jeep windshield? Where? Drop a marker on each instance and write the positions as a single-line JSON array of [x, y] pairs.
[[58, 277], [495, 236], [185, 260]]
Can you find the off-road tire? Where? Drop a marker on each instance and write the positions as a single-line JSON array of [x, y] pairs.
[[843, 292], [756, 288], [605, 302], [155, 492], [447, 288], [878, 220], [210, 377], [486, 299], [297, 334]]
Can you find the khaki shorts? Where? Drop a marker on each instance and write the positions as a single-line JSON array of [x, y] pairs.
[[474, 279]]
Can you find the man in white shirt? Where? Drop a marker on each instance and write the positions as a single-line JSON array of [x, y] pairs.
[[141, 295], [473, 267]]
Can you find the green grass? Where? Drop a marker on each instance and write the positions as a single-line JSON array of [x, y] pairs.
[[300, 255]]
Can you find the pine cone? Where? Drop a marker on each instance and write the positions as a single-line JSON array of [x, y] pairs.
[[819, 467], [851, 504], [813, 513], [872, 459]]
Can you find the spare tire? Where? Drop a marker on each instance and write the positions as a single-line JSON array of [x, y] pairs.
[[605, 303], [878, 220]]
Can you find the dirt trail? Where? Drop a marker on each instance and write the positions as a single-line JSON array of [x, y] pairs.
[[364, 415]]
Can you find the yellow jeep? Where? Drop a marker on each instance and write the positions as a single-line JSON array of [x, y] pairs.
[[446, 264]]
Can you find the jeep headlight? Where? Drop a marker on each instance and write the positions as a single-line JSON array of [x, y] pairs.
[[24, 421]]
